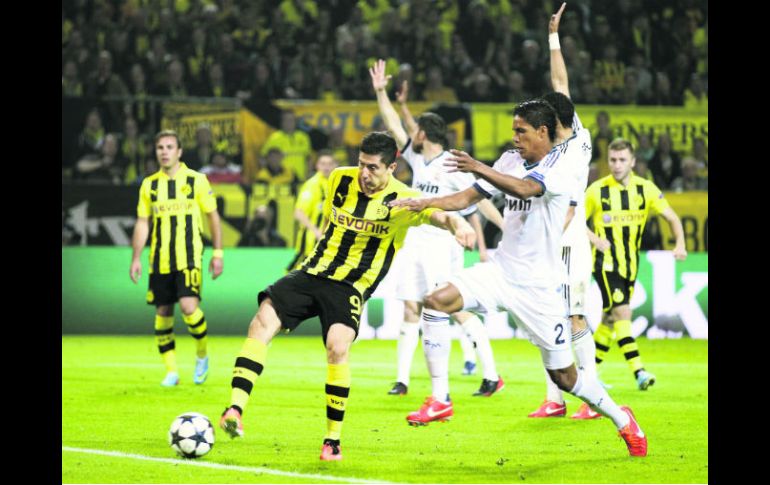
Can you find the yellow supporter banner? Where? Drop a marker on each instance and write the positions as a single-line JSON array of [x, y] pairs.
[[492, 124], [355, 118], [693, 209]]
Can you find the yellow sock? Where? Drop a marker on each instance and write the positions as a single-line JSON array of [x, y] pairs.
[[196, 325], [628, 345], [603, 338], [248, 366], [164, 336], [337, 390]]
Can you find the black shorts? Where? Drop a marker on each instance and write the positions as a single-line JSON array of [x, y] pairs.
[[167, 289], [299, 296], [616, 290]]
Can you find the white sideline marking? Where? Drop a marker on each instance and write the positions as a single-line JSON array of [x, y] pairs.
[[204, 464]]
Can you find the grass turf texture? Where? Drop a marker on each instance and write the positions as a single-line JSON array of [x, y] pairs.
[[112, 401]]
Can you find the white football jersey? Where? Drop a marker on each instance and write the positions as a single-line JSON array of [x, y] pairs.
[[577, 156], [433, 179], [529, 252]]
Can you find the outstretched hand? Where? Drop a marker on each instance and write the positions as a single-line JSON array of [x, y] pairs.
[[553, 24], [379, 79], [460, 162]]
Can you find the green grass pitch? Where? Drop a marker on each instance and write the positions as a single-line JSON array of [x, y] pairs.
[[112, 402]]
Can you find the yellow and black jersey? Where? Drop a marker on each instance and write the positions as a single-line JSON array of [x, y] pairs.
[[619, 214], [175, 205], [310, 200], [363, 233]]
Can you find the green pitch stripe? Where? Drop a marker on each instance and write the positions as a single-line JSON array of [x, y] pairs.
[[204, 464]]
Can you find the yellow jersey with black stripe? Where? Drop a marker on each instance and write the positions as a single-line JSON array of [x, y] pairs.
[[310, 201], [618, 215], [363, 233], [175, 205]]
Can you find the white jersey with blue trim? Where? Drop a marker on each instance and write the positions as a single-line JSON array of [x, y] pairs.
[[530, 250], [577, 154], [433, 179]]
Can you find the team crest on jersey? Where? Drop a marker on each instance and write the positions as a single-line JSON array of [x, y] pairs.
[[382, 212], [186, 189], [638, 200], [586, 147], [617, 295]]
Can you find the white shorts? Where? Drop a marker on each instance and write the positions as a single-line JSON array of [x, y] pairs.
[[426, 264], [540, 311], [578, 259]]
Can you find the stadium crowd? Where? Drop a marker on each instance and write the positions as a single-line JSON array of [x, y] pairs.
[[630, 52]]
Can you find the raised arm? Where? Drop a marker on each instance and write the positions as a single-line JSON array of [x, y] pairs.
[[521, 188], [411, 124], [559, 78], [388, 113]]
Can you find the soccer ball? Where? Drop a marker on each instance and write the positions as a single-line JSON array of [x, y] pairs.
[[191, 435]]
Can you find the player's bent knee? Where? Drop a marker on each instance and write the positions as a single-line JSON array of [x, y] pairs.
[[445, 299]]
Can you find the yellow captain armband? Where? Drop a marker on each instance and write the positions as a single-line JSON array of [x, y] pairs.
[[218, 253]]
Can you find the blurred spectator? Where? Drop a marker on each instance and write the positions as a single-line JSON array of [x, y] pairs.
[[105, 167], [149, 167], [157, 60], [139, 109], [71, 85], [662, 94], [602, 137], [220, 171], [644, 149], [273, 170], [200, 155], [695, 96], [609, 74], [133, 150], [435, 91], [104, 82], [261, 87], [344, 154], [259, 230], [701, 155], [293, 143], [532, 66], [175, 81], [474, 29], [198, 57], [92, 136], [327, 87], [515, 88], [216, 87], [644, 79], [642, 169], [480, 88], [689, 180], [666, 164]]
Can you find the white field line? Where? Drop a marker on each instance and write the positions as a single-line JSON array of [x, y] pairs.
[[218, 466]]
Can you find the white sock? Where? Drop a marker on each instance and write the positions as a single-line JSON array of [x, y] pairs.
[[477, 332], [408, 338], [552, 391], [585, 351], [588, 389], [437, 342], [469, 353]]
